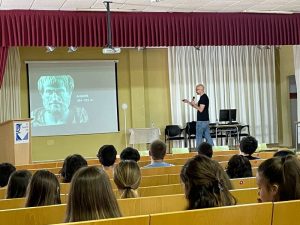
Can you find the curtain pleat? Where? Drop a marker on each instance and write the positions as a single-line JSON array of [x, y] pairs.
[[64, 28], [3, 59], [10, 103], [235, 77]]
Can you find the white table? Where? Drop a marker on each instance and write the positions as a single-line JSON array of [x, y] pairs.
[[143, 135]]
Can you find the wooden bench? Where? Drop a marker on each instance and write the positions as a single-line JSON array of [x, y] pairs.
[[156, 181], [20, 202], [161, 190], [95, 161], [245, 196], [252, 214], [242, 183], [164, 203], [34, 216], [146, 181], [264, 155], [286, 213], [129, 207], [254, 163], [133, 220], [179, 189]]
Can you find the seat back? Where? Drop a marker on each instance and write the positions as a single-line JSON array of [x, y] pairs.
[[180, 150], [286, 213], [190, 128], [251, 214], [173, 130]]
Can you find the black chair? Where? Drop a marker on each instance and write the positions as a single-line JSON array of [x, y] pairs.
[[174, 133], [213, 134], [237, 134], [190, 131], [243, 130]]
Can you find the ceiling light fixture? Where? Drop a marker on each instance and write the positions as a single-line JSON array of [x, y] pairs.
[[264, 47], [72, 49], [155, 0], [50, 49], [141, 48]]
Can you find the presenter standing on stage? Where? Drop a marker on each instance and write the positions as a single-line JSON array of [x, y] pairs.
[[202, 125]]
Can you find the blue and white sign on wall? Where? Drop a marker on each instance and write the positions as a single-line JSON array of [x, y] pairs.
[[21, 132]]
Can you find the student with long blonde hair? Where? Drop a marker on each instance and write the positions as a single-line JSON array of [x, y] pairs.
[[91, 196], [127, 177]]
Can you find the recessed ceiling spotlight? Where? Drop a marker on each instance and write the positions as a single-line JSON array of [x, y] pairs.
[[50, 49], [72, 49], [262, 47]]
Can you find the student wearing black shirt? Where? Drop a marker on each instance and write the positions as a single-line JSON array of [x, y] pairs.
[[202, 126]]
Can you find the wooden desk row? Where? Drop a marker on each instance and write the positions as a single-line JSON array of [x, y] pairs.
[[172, 189], [153, 185], [218, 156], [165, 210], [157, 171]]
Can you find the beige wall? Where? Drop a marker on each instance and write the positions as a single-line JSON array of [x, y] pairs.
[[142, 83], [285, 67]]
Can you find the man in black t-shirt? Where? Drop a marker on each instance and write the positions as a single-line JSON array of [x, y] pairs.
[[202, 126]]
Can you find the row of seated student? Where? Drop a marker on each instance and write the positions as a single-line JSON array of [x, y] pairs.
[[238, 166], [206, 185]]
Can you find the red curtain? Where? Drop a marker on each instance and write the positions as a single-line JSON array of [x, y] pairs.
[[55, 28], [65, 28], [3, 58]]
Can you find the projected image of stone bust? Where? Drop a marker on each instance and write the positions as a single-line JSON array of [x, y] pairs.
[[56, 93]]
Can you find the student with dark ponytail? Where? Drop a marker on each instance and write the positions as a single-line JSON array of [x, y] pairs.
[[206, 184], [127, 177], [278, 179]]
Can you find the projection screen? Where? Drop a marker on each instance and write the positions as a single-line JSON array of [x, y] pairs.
[[72, 97]]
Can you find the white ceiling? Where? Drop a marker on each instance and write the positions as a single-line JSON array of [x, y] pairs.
[[162, 6]]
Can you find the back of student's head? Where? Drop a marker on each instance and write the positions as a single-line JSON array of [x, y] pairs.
[[71, 164], [130, 154], [107, 155], [17, 184], [206, 183], [248, 145], [6, 169], [127, 177], [205, 149], [283, 153], [280, 178], [43, 189], [238, 167], [91, 196], [157, 150]]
